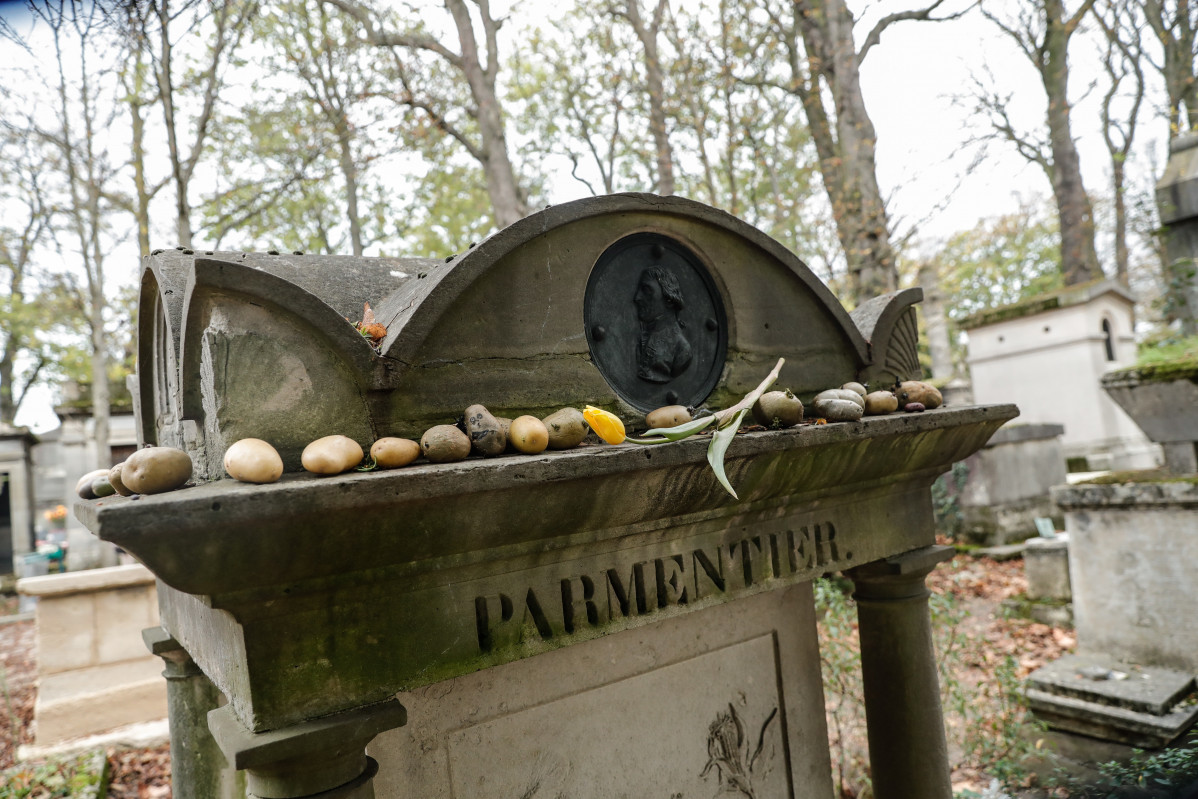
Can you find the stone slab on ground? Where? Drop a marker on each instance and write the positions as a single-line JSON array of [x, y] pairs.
[[1104, 698], [133, 736], [1098, 678], [1143, 730], [1004, 552], [83, 701]]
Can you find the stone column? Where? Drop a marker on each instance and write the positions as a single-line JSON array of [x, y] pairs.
[[1177, 204], [198, 767], [907, 749], [323, 758]]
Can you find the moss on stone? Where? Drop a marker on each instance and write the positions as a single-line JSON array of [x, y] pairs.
[[1184, 368], [1141, 476], [1059, 298]]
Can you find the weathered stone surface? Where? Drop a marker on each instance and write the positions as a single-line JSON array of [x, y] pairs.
[[1007, 484], [661, 687], [445, 590], [1101, 678], [1165, 411], [1046, 564], [235, 345], [1100, 696], [1047, 356], [1131, 547], [94, 674]]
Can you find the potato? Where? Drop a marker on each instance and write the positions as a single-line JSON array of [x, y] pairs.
[[331, 455], [529, 435], [878, 403], [838, 409], [505, 424], [778, 408], [445, 443], [925, 394], [669, 416], [486, 434], [853, 386], [154, 470], [843, 394], [252, 460], [84, 486], [114, 480], [102, 488], [567, 428], [391, 453]]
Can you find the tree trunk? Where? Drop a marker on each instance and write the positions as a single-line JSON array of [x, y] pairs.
[[506, 197], [1176, 34], [1118, 182], [936, 322], [142, 211], [846, 149], [8, 405], [1079, 261], [349, 171], [655, 89]]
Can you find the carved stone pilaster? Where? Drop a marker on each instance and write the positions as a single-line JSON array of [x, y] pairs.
[[907, 749], [320, 759], [198, 768]]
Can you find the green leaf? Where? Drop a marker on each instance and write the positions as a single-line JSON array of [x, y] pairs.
[[684, 430], [719, 445]]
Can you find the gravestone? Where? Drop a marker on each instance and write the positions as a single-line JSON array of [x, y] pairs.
[[1059, 345], [605, 620]]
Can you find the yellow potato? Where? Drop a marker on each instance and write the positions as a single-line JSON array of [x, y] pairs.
[[669, 416], [84, 487], [252, 460], [391, 453], [154, 470], [529, 435], [486, 434], [567, 428], [331, 455], [114, 480], [445, 443], [878, 403], [918, 391], [778, 408]]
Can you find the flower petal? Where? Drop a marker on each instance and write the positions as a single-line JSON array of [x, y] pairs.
[[606, 425]]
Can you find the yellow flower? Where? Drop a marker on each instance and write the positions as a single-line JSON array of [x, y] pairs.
[[606, 425]]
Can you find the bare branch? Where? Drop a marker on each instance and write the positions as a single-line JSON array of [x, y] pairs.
[[390, 39], [925, 14]]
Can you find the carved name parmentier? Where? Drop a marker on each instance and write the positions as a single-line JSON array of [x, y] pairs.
[[609, 594]]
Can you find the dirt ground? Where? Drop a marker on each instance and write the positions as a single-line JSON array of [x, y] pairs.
[[980, 584]]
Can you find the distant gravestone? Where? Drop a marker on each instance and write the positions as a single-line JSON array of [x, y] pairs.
[[605, 620]]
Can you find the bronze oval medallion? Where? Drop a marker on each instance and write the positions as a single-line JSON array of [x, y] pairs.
[[655, 322]]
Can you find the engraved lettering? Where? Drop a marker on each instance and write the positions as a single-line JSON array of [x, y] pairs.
[[734, 566], [483, 618], [621, 595], [680, 579], [705, 568], [775, 556], [800, 553], [825, 536], [534, 614], [575, 591], [671, 581], [756, 561]]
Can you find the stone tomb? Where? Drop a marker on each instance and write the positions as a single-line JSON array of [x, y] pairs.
[[598, 621]]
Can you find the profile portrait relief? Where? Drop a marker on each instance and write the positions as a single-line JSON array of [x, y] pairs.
[[663, 351]]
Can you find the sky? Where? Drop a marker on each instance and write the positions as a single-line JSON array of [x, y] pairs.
[[909, 81]]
